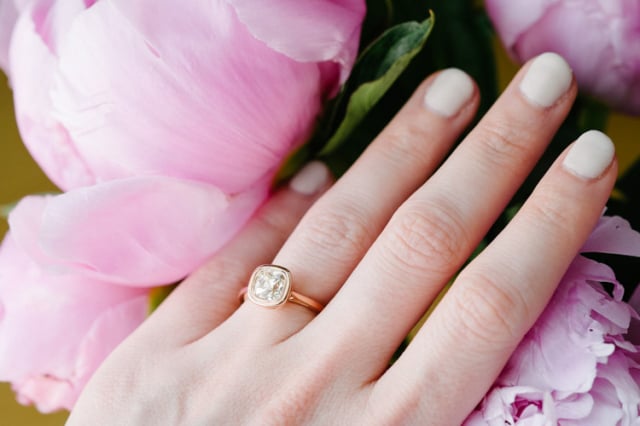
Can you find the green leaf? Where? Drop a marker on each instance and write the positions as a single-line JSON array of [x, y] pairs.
[[373, 74], [158, 295]]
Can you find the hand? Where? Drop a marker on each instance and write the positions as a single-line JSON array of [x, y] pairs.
[[376, 249]]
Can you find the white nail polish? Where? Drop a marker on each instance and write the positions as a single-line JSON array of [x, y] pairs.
[[590, 155], [450, 90], [310, 179], [547, 79]]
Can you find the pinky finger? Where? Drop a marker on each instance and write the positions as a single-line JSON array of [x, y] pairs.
[[210, 294], [466, 342]]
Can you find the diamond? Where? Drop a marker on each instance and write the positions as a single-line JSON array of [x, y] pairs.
[[270, 285]]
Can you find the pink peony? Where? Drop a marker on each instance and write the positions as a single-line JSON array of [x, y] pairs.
[[577, 365], [217, 91], [599, 38], [165, 124], [55, 329]]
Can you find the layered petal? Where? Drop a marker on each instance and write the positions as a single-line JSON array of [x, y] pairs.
[[111, 89], [43, 364], [307, 31], [141, 231], [578, 364], [608, 30], [613, 234], [33, 65], [512, 17], [143, 89]]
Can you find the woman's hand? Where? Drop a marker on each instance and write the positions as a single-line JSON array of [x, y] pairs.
[[376, 249]]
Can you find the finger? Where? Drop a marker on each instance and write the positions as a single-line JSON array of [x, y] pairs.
[[337, 231], [498, 297], [210, 294], [435, 231]]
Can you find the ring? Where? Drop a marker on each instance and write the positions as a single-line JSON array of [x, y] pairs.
[[270, 286]]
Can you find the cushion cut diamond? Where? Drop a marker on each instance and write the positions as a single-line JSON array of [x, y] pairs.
[[269, 286]]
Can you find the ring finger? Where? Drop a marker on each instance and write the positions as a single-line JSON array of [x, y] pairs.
[[334, 235]]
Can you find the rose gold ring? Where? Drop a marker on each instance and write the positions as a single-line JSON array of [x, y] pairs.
[[270, 286]]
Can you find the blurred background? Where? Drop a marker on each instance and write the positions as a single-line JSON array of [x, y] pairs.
[[20, 176]]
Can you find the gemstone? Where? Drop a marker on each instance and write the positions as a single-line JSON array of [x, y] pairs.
[[270, 285]]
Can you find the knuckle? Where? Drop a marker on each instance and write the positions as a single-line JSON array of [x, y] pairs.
[[296, 399], [426, 240], [403, 142], [277, 222], [488, 312], [342, 233], [549, 209], [502, 142]]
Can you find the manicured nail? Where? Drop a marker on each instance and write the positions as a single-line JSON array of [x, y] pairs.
[[310, 179], [450, 90], [547, 79], [590, 155]]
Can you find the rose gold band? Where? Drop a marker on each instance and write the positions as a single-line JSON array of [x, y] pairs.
[[294, 297], [270, 287]]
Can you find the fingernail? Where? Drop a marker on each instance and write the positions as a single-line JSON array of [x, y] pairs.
[[310, 179], [547, 79], [590, 155], [450, 90]]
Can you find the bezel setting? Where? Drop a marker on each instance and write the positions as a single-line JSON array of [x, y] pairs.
[[269, 286]]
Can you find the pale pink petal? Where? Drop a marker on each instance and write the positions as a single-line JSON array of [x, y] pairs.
[[307, 31], [613, 234], [513, 17], [142, 88], [607, 29], [50, 393], [142, 231], [606, 408], [38, 304], [47, 393], [33, 65]]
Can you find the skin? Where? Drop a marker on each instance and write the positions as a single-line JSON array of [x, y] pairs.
[[376, 247]]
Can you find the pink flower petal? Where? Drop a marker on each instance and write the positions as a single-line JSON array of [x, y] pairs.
[[307, 31], [33, 65], [613, 234], [142, 231], [37, 304], [512, 17], [143, 89]]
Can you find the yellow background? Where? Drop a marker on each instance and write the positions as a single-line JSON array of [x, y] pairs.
[[19, 176]]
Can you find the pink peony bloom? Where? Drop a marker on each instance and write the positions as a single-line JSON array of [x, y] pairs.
[[217, 91], [165, 125], [607, 29], [56, 329], [578, 364]]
